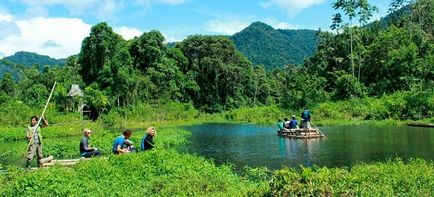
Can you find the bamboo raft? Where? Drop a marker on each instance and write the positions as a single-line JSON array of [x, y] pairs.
[[301, 133], [50, 161]]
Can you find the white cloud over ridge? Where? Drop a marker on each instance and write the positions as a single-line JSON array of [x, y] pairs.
[[291, 7], [56, 37]]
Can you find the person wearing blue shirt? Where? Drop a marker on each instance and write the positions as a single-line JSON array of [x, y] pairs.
[[147, 142], [293, 123], [305, 117], [119, 146]]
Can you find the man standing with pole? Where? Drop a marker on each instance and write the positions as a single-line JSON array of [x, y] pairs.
[[33, 134]]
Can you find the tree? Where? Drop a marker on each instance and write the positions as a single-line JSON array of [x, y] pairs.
[[224, 76], [353, 9], [7, 85]]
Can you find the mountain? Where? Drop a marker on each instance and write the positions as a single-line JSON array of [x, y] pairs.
[[262, 44], [14, 63], [29, 59]]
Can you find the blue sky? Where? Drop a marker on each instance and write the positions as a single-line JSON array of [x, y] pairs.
[[57, 27]]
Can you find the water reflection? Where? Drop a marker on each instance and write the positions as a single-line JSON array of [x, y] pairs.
[[257, 146], [296, 150]]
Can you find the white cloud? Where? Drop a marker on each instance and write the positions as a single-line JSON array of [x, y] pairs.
[[279, 24], [127, 33], [173, 38], [36, 11], [171, 2], [226, 26], [56, 37], [102, 9], [291, 7], [148, 3]]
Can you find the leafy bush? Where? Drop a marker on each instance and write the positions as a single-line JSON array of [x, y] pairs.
[[393, 178]]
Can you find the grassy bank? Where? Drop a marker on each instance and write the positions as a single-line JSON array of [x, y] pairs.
[[154, 173]]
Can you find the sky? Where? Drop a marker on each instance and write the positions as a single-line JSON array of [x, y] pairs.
[[57, 27]]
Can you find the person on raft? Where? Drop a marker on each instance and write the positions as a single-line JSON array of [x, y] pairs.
[[293, 123], [34, 138], [305, 117]]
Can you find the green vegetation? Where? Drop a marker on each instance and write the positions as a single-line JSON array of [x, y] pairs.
[[141, 82], [393, 178], [154, 173], [262, 44]]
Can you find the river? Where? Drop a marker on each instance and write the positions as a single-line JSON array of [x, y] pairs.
[[256, 145]]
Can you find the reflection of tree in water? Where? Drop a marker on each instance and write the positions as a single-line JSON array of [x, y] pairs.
[[298, 151], [310, 146]]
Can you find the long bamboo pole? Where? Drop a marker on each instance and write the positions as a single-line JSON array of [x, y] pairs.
[[42, 115], [318, 129]]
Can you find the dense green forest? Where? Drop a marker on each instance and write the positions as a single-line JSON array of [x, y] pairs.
[[262, 44], [209, 73]]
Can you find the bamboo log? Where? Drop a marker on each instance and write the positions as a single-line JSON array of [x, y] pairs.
[[46, 160], [62, 164], [69, 160]]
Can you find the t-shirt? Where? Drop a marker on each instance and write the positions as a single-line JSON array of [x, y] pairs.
[[119, 141], [287, 124], [147, 143], [293, 124], [36, 136], [84, 144], [280, 125]]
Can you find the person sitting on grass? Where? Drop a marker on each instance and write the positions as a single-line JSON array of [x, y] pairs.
[[148, 140], [86, 150], [122, 144]]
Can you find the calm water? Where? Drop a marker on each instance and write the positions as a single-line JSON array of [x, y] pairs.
[[256, 146]]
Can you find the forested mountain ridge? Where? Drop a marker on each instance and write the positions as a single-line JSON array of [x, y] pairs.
[[211, 74], [11, 64], [262, 44]]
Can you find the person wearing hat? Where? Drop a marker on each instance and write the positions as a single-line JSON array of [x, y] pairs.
[[85, 149], [293, 123]]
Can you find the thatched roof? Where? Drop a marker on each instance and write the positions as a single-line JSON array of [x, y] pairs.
[[75, 91]]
